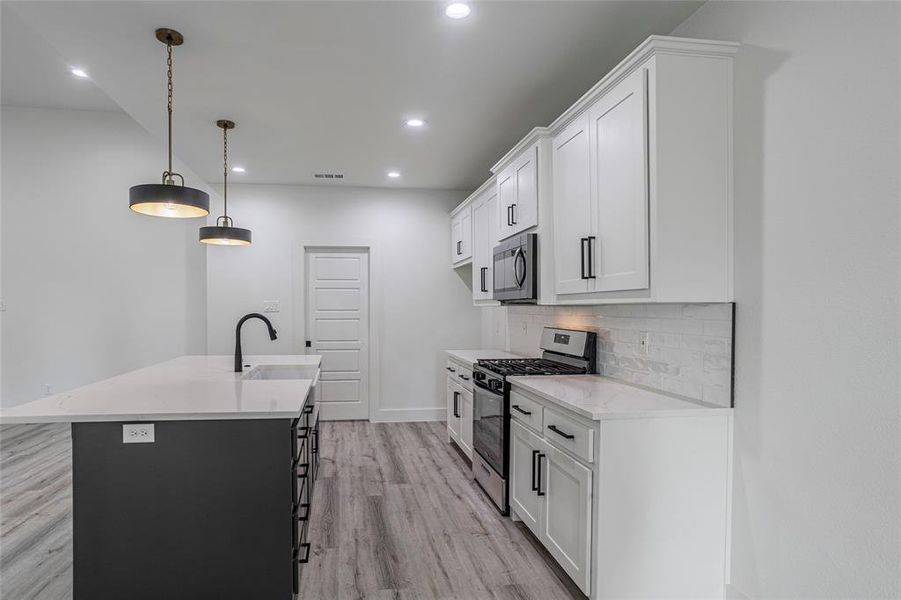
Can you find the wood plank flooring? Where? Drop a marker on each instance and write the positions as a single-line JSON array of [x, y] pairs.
[[36, 512], [397, 515]]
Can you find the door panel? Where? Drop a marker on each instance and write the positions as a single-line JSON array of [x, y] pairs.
[[338, 330], [339, 391], [466, 423], [506, 198], [453, 410], [525, 211], [567, 513], [524, 449], [572, 207], [619, 131], [481, 247]]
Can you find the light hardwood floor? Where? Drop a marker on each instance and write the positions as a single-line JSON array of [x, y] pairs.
[[396, 515]]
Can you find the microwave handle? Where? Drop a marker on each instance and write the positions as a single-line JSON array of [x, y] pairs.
[[520, 256]]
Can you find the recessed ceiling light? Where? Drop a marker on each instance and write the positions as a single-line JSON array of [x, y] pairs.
[[238, 169], [457, 10], [415, 122], [393, 174], [78, 72]]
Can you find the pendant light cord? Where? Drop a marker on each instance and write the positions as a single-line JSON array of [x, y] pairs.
[[169, 103], [225, 172]]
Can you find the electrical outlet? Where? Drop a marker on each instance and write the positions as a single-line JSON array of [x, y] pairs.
[[2, 305], [138, 433], [272, 306], [643, 342]]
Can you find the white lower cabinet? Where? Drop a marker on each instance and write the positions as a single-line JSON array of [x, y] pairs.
[[566, 530], [632, 507], [459, 406], [551, 493], [525, 447]]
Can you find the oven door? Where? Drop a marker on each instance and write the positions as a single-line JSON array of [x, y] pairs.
[[488, 425]]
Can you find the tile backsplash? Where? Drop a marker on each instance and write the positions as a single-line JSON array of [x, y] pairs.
[[688, 350]]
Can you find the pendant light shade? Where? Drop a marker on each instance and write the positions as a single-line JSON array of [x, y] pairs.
[[168, 198], [224, 233]]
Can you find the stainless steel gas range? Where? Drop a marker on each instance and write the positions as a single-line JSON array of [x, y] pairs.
[[565, 352]]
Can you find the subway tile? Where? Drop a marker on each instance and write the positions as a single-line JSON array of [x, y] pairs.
[[719, 312], [664, 311], [717, 328]]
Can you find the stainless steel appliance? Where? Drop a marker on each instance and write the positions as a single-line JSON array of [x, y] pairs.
[[566, 352], [516, 269]]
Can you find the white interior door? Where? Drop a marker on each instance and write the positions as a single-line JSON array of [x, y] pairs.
[[338, 330]]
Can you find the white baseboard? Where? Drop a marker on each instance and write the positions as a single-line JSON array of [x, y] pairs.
[[733, 593], [405, 415]]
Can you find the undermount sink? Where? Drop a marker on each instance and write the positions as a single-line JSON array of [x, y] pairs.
[[282, 372]]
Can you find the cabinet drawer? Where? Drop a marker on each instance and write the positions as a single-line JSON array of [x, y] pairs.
[[526, 411], [460, 374], [569, 434]]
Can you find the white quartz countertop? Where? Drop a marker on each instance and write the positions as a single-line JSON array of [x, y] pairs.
[[185, 388], [599, 398], [471, 356]]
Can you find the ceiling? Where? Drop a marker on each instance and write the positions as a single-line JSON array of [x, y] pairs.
[[327, 86]]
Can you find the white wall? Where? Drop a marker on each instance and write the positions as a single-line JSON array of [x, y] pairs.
[[426, 305], [91, 288], [816, 494]]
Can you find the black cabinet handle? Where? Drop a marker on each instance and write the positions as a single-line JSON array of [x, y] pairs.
[[306, 556], [464, 377], [538, 483], [451, 369], [568, 436], [315, 432], [308, 409], [517, 408], [305, 434], [513, 214], [306, 512], [456, 395], [534, 484], [591, 275], [582, 242], [484, 279], [306, 470], [510, 216], [459, 246]]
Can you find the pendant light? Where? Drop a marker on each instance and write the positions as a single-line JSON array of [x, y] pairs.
[[224, 233], [169, 199]]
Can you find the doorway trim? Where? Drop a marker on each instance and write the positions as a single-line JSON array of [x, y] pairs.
[[299, 292]]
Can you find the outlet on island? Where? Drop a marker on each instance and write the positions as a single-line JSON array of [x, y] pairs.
[[138, 433]]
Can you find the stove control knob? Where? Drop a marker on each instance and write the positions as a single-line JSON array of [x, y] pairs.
[[478, 376], [495, 385]]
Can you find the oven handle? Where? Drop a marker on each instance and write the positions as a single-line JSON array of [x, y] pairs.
[[485, 387]]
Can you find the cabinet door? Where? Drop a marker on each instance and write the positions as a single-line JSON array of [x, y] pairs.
[[483, 218], [573, 215], [525, 207], [620, 177], [525, 447], [453, 410], [466, 422], [567, 513], [456, 238], [466, 233], [506, 198]]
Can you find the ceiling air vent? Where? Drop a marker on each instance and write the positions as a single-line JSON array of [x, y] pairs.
[[328, 175]]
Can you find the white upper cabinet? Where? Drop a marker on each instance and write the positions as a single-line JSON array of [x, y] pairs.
[[642, 168], [461, 235], [619, 254], [573, 209], [517, 192], [484, 236]]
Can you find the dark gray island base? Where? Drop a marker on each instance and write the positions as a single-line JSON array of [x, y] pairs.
[[211, 509]]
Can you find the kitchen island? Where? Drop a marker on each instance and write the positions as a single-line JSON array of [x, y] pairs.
[[185, 479]]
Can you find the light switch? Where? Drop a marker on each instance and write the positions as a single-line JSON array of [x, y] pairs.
[[272, 306]]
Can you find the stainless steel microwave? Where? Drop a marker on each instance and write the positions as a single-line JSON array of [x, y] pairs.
[[516, 269]]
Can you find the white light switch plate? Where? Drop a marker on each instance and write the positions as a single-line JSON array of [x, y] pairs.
[[138, 433], [272, 306]]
